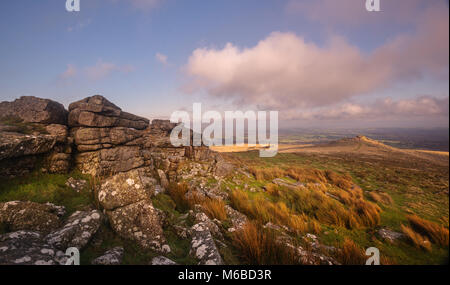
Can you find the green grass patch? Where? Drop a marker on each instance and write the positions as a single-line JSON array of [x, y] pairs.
[[41, 188]]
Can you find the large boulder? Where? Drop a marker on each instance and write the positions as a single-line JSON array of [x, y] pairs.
[[28, 248], [35, 110], [97, 111], [18, 215], [125, 188], [19, 153], [126, 199], [140, 222], [34, 247], [77, 231], [14, 145]]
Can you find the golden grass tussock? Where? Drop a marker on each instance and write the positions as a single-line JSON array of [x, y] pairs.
[[416, 239], [177, 191], [265, 211], [316, 204], [380, 197], [259, 246], [341, 181], [306, 175], [266, 174], [368, 213], [437, 233], [272, 189], [351, 254], [214, 208]]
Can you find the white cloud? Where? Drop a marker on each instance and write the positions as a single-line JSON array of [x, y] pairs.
[[161, 58], [100, 70], [284, 71], [70, 72], [103, 69]]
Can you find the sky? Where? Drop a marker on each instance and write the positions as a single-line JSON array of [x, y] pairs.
[[320, 63]]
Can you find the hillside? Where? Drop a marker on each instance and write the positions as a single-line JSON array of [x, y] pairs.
[[110, 183], [363, 146]]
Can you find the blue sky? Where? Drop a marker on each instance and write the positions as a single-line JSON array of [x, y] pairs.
[[140, 55]]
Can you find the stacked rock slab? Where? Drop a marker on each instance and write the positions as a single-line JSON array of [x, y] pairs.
[[106, 138], [32, 130]]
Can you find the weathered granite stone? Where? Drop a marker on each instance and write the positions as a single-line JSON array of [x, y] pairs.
[[140, 222], [18, 215], [89, 139], [111, 257], [77, 231], [28, 248], [35, 110], [389, 235], [125, 188], [237, 218], [110, 161], [14, 145], [97, 111], [203, 247], [161, 260]]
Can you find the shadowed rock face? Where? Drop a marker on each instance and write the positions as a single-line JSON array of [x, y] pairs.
[[35, 110]]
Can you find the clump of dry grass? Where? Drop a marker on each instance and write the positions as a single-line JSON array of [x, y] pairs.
[[215, 209], [416, 239], [380, 197], [316, 204], [266, 174], [266, 211], [438, 234], [272, 189], [351, 254], [307, 175], [177, 191], [341, 181], [259, 246], [369, 214]]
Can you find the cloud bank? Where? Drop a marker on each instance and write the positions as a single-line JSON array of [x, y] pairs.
[[422, 106], [284, 71], [100, 70]]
